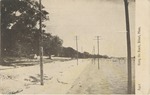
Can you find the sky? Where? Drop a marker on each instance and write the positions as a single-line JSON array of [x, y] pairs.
[[88, 19]]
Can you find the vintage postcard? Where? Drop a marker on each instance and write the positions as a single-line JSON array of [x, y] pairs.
[[74, 47], [142, 47]]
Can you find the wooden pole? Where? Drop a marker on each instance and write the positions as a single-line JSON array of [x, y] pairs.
[[94, 54], [128, 48], [41, 41], [98, 44], [0, 37], [77, 48], [98, 49]]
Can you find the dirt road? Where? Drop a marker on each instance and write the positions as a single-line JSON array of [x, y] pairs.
[[110, 78], [67, 77]]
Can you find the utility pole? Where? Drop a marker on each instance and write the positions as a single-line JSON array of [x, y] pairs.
[[128, 48], [77, 48], [41, 43], [98, 43], [94, 54], [98, 49], [83, 54], [0, 35]]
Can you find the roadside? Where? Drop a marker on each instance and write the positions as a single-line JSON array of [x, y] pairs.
[[58, 78], [12, 63], [64, 76], [111, 78]]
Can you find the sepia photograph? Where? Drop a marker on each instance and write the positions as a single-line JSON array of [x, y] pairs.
[[67, 47]]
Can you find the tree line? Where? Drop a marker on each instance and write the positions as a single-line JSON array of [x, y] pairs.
[[20, 31]]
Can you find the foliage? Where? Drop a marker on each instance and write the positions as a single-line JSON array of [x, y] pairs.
[[52, 45], [20, 31], [20, 34]]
